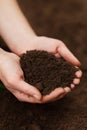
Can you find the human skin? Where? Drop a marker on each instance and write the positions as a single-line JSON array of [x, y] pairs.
[[19, 36]]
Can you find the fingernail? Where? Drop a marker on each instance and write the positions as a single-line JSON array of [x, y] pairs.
[[36, 96]]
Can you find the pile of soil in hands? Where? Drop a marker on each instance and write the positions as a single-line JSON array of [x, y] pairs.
[[45, 71]]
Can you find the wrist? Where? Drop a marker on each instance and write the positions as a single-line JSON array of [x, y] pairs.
[[25, 44]]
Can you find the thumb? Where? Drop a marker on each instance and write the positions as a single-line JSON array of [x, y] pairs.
[[28, 89], [67, 55]]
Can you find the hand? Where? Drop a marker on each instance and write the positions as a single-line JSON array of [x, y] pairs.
[[12, 77], [18, 40], [59, 49]]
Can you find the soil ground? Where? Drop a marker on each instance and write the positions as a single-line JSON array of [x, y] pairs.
[[65, 20], [46, 76]]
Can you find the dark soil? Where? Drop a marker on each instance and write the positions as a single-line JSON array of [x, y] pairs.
[[65, 20], [45, 71]]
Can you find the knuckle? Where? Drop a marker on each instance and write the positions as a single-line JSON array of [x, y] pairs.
[[58, 43], [43, 38], [61, 42]]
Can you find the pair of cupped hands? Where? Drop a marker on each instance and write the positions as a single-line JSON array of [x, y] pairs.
[[12, 76]]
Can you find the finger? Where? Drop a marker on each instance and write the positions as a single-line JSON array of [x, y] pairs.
[[25, 98], [76, 81], [67, 90], [28, 89], [56, 93], [67, 55], [72, 86], [78, 74], [61, 96]]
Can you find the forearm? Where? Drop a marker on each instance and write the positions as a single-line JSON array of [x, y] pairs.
[[14, 27]]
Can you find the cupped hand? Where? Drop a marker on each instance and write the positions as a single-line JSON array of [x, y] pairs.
[[59, 49], [11, 75]]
